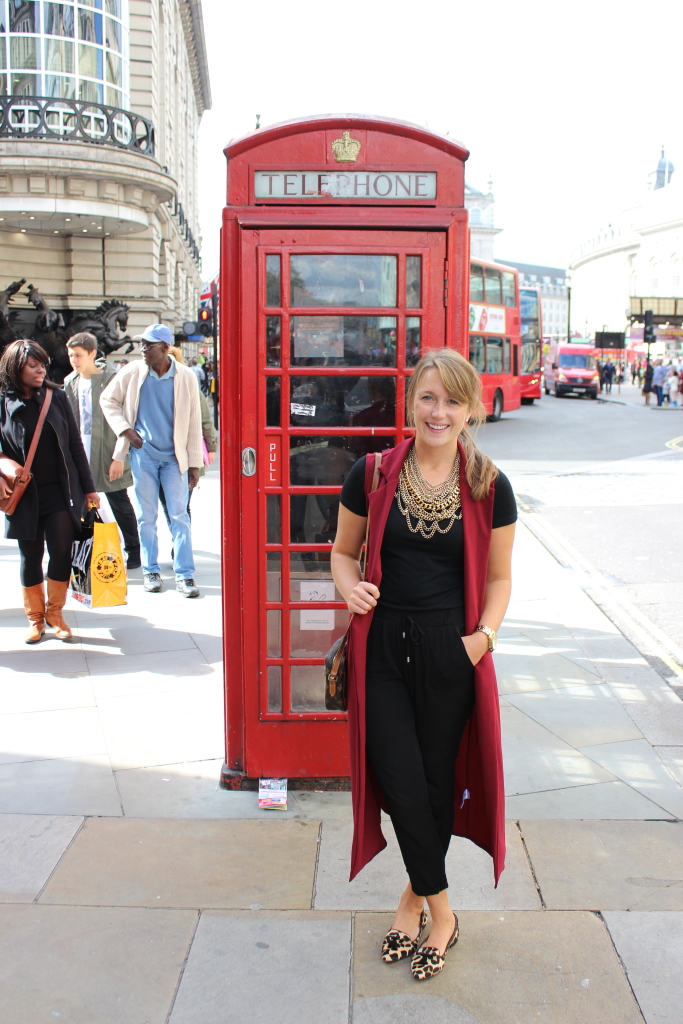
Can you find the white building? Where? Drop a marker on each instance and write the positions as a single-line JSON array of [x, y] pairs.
[[100, 104], [552, 284], [480, 207], [635, 263]]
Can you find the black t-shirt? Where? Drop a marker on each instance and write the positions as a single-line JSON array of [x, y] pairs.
[[419, 574]]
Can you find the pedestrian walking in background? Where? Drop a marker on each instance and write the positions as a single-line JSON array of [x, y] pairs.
[[50, 509], [153, 408], [198, 371], [674, 388], [112, 476], [658, 378], [634, 371], [422, 697], [648, 388], [608, 373], [208, 437]]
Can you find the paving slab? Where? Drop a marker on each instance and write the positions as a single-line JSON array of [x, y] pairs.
[[381, 882], [579, 715], [267, 968], [183, 863], [535, 760], [42, 735], [672, 758], [607, 865], [409, 1008], [190, 790], [636, 763], [534, 667], [652, 704], [325, 806], [507, 968], [30, 848], [43, 692], [83, 785], [604, 800], [91, 965], [164, 728], [68, 659], [113, 675], [127, 639], [651, 947]]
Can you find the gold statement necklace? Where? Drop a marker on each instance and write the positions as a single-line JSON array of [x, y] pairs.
[[418, 499]]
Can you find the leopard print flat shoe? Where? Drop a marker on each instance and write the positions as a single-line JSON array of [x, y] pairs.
[[429, 960], [399, 946]]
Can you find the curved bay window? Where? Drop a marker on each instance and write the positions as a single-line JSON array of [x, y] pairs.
[[72, 49]]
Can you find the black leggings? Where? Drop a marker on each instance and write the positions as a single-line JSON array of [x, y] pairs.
[[419, 696], [57, 529]]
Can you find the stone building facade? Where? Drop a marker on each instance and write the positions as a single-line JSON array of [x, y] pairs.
[[480, 206], [102, 101]]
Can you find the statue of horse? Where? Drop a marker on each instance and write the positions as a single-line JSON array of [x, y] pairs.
[[7, 316], [105, 323]]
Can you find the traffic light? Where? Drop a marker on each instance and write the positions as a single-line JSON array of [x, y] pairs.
[[205, 321], [649, 332]]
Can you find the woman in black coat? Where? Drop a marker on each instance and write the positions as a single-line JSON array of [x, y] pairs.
[[50, 509]]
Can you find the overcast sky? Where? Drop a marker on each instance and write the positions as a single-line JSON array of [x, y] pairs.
[[563, 105]]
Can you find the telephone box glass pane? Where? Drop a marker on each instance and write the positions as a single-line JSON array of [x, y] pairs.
[[493, 289], [307, 687], [326, 280], [343, 340], [494, 355], [476, 283], [272, 401], [273, 289], [412, 340], [274, 617], [508, 288], [326, 461], [477, 353], [314, 630], [506, 355], [313, 518], [275, 689], [342, 401], [273, 531], [273, 576], [413, 282], [273, 342], [310, 577]]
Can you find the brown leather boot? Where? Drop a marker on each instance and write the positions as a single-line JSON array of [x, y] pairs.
[[34, 606], [56, 599]]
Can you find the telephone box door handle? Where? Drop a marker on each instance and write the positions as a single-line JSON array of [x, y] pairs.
[[248, 461]]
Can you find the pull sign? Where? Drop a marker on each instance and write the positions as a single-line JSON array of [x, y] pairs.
[[248, 461], [273, 471]]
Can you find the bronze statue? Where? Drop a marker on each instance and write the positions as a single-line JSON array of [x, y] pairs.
[[50, 331]]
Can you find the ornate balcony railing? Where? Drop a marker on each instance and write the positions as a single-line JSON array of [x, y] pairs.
[[39, 117], [177, 211]]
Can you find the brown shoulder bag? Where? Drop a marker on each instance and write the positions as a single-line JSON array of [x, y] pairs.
[[19, 477], [336, 693]]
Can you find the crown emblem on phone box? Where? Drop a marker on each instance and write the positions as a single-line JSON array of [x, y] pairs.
[[346, 149]]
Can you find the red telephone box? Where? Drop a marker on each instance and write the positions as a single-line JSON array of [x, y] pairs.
[[344, 256]]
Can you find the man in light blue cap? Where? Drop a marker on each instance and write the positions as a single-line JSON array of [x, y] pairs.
[[153, 407]]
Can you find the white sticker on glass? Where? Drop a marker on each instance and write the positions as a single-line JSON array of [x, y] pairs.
[[316, 590], [316, 618]]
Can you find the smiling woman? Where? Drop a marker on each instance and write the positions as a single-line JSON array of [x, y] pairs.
[[440, 544]]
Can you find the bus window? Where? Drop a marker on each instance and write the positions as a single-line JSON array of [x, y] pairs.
[[494, 355], [506, 355], [531, 357], [477, 353], [493, 289], [509, 288], [476, 283]]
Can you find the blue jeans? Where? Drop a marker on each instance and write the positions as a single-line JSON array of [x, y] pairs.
[[148, 474], [659, 391]]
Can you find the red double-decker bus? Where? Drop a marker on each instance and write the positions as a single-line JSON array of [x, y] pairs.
[[494, 334], [532, 333]]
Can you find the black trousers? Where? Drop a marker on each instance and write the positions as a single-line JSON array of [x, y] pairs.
[[419, 696], [57, 529], [124, 514]]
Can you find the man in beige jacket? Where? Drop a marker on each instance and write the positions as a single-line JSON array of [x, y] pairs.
[[153, 408]]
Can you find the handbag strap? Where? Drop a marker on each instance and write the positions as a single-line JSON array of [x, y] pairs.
[[38, 430], [375, 482]]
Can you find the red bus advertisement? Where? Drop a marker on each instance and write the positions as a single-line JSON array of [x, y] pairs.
[[532, 333], [494, 334]]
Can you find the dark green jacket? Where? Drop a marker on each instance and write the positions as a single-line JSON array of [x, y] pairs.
[[103, 437]]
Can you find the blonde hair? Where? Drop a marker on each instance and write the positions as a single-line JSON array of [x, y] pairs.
[[462, 383], [177, 354]]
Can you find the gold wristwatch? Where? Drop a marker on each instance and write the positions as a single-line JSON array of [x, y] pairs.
[[491, 636]]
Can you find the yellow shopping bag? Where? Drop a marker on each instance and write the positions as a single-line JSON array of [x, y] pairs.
[[107, 567]]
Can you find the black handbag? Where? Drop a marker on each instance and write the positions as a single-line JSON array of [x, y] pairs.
[[336, 692]]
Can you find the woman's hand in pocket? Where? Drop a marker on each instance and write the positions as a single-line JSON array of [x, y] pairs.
[[476, 645], [363, 598]]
